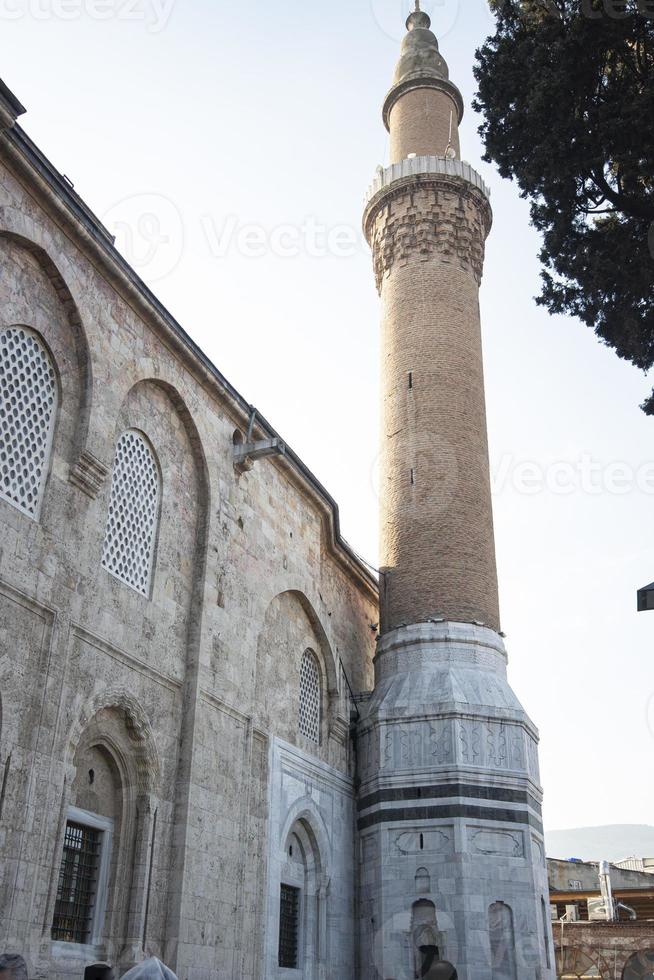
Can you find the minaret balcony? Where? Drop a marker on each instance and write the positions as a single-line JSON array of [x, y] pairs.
[[414, 166]]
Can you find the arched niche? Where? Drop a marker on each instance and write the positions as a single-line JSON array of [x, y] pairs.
[[640, 966], [426, 940], [502, 942], [143, 757], [156, 410], [423, 881], [111, 792], [35, 295], [302, 899], [291, 627]]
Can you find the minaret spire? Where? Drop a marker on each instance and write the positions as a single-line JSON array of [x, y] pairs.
[[418, 107]]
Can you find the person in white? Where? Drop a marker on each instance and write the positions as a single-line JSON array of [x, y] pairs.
[[152, 969]]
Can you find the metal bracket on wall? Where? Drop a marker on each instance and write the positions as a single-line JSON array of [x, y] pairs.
[[246, 453]]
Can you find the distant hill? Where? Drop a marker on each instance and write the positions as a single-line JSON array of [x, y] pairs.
[[611, 843]]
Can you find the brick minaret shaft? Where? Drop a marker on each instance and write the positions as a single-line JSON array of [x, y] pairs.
[[427, 224]]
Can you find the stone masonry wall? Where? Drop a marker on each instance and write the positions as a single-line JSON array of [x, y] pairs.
[[173, 687]]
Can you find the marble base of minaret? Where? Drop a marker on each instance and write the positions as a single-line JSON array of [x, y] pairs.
[[449, 813]]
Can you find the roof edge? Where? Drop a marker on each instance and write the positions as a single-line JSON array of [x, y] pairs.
[[96, 237]]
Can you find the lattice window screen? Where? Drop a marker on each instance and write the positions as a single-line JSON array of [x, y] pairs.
[[28, 401], [133, 510], [310, 697]]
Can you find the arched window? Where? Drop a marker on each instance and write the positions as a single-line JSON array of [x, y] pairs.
[[301, 901], [133, 512], [310, 697], [28, 403], [502, 942], [423, 881], [640, 966]]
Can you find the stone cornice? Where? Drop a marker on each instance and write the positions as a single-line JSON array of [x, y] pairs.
[[421, 80], [422, 166], [89, 235], [10, 107]]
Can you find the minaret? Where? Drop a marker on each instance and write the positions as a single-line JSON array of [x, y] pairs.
[[452, 854]]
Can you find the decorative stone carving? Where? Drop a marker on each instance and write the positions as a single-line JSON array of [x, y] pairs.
[[88, 474], [433, 841], [518, 760], [496, 749], [540, 850], [442, 749], [426, 214], [138, 727], [498, 842]]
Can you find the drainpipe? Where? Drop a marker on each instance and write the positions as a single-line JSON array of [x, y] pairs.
[[607, 891]]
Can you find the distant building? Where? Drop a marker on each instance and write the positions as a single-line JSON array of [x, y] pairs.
[[586, 944], [637, 864]]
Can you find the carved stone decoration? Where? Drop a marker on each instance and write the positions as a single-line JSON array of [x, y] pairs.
[[441, 742], [427, 214], [476, 744], [138, 727], [498, 842], [89, 474], [433, 841], [405, 747], [470, 740], [496, 747], [539, 848], [387, 754], [465, 745], [518, 760]]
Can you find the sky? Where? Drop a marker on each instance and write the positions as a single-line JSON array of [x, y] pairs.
[[228, 147]]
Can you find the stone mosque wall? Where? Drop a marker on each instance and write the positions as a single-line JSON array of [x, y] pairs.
[[158, 614]]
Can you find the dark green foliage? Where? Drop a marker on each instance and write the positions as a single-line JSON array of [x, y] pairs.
[[567, 93]]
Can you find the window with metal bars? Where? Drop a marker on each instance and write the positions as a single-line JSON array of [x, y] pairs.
[[78, 881], [289, 927]]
